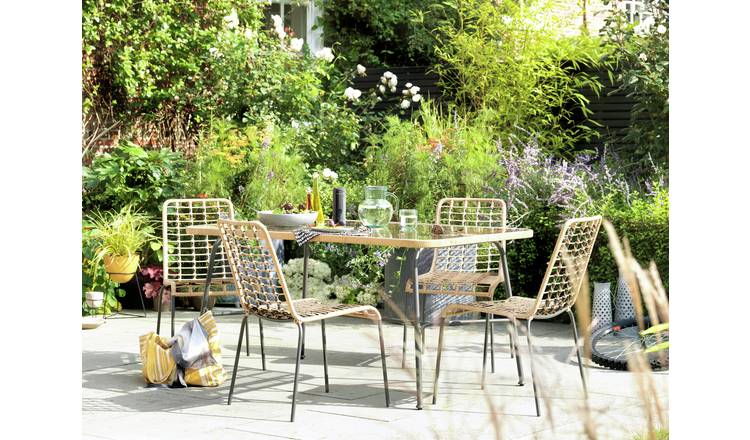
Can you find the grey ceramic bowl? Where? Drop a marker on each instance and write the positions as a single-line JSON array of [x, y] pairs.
[[268, 218]]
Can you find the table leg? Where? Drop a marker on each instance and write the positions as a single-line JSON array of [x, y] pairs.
[[417, 329], [306, 256], [209, 275], [514, 333]]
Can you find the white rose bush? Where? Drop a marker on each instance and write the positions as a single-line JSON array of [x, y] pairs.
[[385, 90]]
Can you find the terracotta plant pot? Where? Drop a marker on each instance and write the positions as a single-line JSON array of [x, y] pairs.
[[121, 268], [94, 299]]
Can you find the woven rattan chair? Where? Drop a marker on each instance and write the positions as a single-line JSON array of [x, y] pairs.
[[186, 257], [557, 294], [264, 293], [465, 270]]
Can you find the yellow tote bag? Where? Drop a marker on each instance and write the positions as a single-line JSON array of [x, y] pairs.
[[158, 364], [212, 375]]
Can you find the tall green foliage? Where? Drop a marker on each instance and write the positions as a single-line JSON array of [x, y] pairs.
[[639, 63], [431, 157], [130, 175], [256, 167], [512, 58], [169, 67], [163, 57], [643, 219], [380, 32]]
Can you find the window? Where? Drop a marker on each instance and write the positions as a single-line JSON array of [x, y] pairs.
[[636, 10], [299, 17]]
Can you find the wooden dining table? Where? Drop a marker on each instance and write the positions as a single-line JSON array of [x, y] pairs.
[[425, 236]]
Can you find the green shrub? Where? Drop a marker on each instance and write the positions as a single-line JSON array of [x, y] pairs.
[[512, 59], [639, 63], [172, 63], [380, 32], [130, 175], [255, 167], [163, 70], [297, 90], [431, 157], [644, 221]]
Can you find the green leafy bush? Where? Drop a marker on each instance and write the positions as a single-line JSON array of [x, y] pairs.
[[130, 175], [644, 220], [168, 63], [512, 59], [255, 167], [431, 157], [380, 32], [639, 62]]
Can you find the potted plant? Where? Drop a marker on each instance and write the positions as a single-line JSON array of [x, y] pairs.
[[120, 236]]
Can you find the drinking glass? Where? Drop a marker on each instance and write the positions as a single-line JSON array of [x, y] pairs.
[[408, 219]]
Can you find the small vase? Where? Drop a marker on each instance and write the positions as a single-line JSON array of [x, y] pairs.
[[601, 310], [624, 308]]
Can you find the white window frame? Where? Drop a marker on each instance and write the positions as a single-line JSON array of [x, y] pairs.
[[633, 15], [313, 37]]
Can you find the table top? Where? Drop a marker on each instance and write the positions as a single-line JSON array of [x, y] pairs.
[[391, 236]]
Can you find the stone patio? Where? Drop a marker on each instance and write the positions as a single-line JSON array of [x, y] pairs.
[[118, 405]]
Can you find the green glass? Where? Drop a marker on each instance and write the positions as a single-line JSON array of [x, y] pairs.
[[376, 211]]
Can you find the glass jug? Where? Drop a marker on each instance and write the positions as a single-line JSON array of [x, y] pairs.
[[375, 211]]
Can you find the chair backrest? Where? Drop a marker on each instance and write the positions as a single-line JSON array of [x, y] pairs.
[[256, 269], [567, 266], [186, 256], [469, 212]]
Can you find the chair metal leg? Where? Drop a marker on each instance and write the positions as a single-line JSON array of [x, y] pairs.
[[417, 330], [382, 361], [300, 332], [325, 360], [578, 353], [403, 350], [305, 260], [492, 346], [173, 310], [531, 362], [262, 347], [437, 363], [514, 345], [484, 351], [237, 359], [508, 290], [158, 308], [209, 275], [247, 339]]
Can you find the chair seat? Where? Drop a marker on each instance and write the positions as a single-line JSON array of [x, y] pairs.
[[513, 307], [457, 283], [195, 288], [310, 309]]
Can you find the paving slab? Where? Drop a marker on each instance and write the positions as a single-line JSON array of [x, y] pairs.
[[117, 404]]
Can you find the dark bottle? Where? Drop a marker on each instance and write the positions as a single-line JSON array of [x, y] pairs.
[[339, 206]]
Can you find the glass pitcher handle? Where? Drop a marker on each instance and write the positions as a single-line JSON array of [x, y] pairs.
[[395, 208]]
